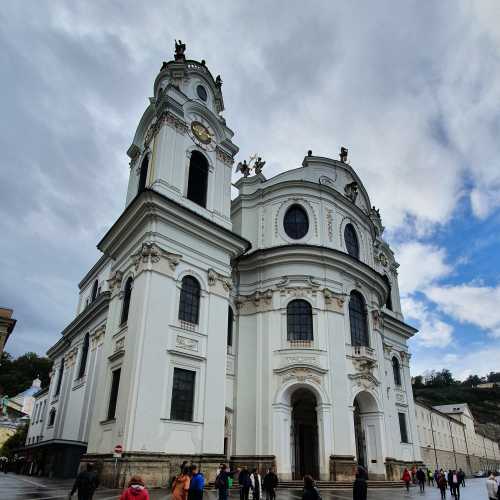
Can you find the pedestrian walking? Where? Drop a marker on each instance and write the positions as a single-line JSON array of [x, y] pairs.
[[406, 478], [245, 483], [492, 488], [197, 484], [461, 477], [310, 490], [256, 481], [222, 481], [86, 483], [442, 485], [421, 479], [136, 490], [180, 486], [360, 486], [455, 484], [269, 484], [430, 477]]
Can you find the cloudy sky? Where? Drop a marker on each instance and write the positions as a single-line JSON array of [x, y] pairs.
[[411, 88]]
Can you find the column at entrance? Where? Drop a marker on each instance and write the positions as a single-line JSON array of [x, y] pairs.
[[282, 422]]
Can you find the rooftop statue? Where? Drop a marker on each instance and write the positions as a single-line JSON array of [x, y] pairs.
[[258, 166], [180, 48], [244, 168], [218, 82], [343, 154]]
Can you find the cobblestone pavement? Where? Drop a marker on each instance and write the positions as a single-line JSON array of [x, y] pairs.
[[14, 487]]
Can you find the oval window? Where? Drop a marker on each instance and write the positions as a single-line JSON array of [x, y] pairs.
[[296, 222], [202, 92]]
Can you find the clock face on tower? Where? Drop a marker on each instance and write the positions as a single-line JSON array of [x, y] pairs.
[[201, 132]]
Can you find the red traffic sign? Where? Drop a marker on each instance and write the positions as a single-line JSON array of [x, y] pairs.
[[118, 448]]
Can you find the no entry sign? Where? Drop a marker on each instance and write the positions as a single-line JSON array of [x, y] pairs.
[[118, 449]]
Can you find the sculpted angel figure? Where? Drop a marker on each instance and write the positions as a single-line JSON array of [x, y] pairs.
[[243, 168], [259, 164], [180, 48]]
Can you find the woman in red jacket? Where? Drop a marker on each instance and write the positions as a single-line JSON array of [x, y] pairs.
[[406, 478], [136, 490]]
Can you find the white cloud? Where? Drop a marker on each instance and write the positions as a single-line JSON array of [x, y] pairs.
[[468, 303], [420, 266], [433, 332], [479, 361]]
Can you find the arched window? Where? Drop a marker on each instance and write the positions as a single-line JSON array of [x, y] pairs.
[[388, 300], [230, 319], [299, 320], [52, 417], [94, 290], [358, 320], [296, 222], [189, 304], [85, 353], [143, 176], [396, 371], [198, 179], [59, 379], [127, 293], [351, 241]]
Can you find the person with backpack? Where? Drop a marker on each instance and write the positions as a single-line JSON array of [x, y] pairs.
[[442, 485], [196, 485], [85, 483], [180, 486], [136, 490], [310, 490], [430, 477], [406, 478], [269, 484], [360, 486]]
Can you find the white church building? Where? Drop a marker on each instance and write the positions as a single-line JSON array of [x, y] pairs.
[[264, 330]]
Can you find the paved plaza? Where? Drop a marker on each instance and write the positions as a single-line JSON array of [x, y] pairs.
[[14, 487]]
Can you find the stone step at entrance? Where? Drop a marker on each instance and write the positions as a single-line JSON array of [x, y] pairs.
[[330, 485]]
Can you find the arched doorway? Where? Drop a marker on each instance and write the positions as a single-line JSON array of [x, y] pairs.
[[368, 428], [359, 436], [304, 434]]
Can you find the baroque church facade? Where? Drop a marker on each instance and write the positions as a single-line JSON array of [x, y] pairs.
[[264, 330]]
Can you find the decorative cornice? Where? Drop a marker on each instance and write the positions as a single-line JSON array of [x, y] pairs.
[[115, 280], [223, 156]]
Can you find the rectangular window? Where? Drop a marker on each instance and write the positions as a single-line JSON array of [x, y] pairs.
[[113, 396], [402, 427], [182, 395], [59, 380]]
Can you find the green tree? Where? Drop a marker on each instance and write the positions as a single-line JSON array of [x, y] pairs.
[[494, 377], [472, 381], [14, 442], [16, 375], [418, 381]]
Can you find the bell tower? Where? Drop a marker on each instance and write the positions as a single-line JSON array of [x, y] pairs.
[[182, 147]]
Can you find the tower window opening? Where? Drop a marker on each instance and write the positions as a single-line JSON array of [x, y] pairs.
[[230, 318], [388, 301], [396, 370], [351, 241], [143, 176], [126, 301], [198, 179]]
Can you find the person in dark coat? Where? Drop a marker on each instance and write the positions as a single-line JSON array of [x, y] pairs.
[[196, 484], [245, 483], [269, 484], [85, 483], [360, 486], [222, 481], [310, 490], [421, 479]]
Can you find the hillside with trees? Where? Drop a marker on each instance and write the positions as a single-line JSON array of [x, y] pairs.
[[440, 388], [16, 375]]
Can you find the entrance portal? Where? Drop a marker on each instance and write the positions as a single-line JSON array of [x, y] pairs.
[[359, 434], [304, 435]]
